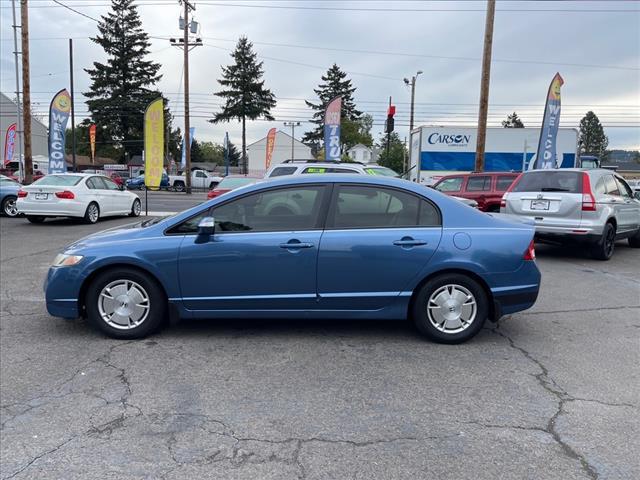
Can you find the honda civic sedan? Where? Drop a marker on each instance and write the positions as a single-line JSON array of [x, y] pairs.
[[334, 246]]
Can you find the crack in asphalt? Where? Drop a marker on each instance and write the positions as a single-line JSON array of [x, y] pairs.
[[578, 310], [550, 385], [38, 457]]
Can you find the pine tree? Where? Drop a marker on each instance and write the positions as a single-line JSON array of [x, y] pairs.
[[122, 87], [397, 152], [513, 121], [234, 155], [244, 92], [592, 138], [334, 84]]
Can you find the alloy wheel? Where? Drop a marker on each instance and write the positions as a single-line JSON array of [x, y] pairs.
[[451, 308], [123, 304], [93, 213], [10, 207]]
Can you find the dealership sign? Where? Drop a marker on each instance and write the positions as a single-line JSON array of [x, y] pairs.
[[9, 143], [332, 130], [59, 111]]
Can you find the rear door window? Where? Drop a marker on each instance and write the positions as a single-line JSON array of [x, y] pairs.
[[610, 186], [550, 181], [503, 183], [280, 171], [450, 184], [625, 190], [478, 184]]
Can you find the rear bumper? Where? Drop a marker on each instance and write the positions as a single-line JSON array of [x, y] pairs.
[[71, 208], [512, 299]]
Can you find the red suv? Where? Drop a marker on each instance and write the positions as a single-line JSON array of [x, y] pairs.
[[485, 188]]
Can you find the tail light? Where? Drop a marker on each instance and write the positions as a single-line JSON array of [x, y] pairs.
[[67, 195], [22, 194], [503, 202], [530, 254], [588, 200]]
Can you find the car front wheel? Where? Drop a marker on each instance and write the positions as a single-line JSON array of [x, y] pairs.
[[125, 303], [450, 308]]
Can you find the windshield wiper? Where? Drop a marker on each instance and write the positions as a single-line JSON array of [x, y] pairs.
[[554, 189]]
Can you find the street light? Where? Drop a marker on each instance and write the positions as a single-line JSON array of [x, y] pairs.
[[293, 126], [412, 83]]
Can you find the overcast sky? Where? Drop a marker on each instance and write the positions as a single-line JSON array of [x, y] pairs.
[[595, 45]]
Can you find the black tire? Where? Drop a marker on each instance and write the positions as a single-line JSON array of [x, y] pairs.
[[92, 213], [35, 218], [9, 206], [142, 187], [603, 250], [136, 208], [421, 316], [634, 242], [157, 302], [213, 185], [179, 187]]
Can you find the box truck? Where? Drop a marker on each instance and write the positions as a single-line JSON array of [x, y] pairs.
[[438, 151]]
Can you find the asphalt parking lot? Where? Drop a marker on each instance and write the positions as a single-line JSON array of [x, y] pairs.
[[553, 392]]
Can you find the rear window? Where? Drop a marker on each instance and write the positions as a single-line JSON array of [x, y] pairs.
[[58, 181], [503, 183], [478, 183], [384, 171], [280, 171], [550, 181]]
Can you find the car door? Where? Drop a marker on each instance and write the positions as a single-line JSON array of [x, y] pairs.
[[97, 192], [120, 201], [262, 256], [629, 208], [477, 188], [199, 178], [376, 240]]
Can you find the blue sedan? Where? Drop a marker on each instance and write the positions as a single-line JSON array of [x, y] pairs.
[[307, 246], [8, 196], [137, 183]]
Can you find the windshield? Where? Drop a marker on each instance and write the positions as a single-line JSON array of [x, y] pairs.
[[550, 181], [384, 171], [235, 182], [58, 181]]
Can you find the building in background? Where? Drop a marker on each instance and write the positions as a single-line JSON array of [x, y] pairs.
[[256, 152], [39, 146], [363, 154]]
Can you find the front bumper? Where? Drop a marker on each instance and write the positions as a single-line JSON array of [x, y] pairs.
[[62, 291]]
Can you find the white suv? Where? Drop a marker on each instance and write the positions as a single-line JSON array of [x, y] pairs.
[[297, 167]]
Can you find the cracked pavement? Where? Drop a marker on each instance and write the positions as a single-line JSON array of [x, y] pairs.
[[550, 393]]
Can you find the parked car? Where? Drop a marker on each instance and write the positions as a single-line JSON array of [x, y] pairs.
[[485, 188], [37, 175], [232, 182], [137, 183], [80, 195], [116, 178], [298, 167], [8, 196], [390, 249], [200, 179], [595, 207]]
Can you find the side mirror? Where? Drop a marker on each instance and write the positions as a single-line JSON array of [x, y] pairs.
[[207, 226]]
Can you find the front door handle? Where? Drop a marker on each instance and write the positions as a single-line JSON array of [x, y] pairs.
[[409, 242], [295, 244]]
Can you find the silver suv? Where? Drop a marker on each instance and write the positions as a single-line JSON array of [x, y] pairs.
[[595, 207], [297, 167]]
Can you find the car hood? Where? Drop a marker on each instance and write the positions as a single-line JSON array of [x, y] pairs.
[[120, 233]]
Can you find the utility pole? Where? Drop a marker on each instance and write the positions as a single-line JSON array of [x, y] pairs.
[[184, 44], [26, 93], [484, 86], [293, 126], [413, 95], [18, 112], [389, 130], [73, 107]]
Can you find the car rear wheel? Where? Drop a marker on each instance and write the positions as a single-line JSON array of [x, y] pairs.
[[35, 218], [603, 250], [450, 308], [135, 208], [9, 206], [92, 214], [178, 187], [125, 303]]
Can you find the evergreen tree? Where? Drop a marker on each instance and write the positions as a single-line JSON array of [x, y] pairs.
[[196, 152], [357, 131], [234, 155], [592, 138], [513, 121], [122, 87], [397, 151], [334, 84], [244, 92]]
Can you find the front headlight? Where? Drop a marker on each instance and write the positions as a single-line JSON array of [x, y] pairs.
[[65, 260]]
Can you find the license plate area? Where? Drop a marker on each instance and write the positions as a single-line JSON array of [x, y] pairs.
[[539, 204], [41, 196]]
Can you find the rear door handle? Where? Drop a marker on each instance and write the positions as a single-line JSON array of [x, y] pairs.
[[409, 242], [294, 244]]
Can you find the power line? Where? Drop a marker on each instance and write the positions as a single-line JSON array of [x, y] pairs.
[[75, 11]]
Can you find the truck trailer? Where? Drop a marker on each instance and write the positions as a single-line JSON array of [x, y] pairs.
[[437, 151]]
